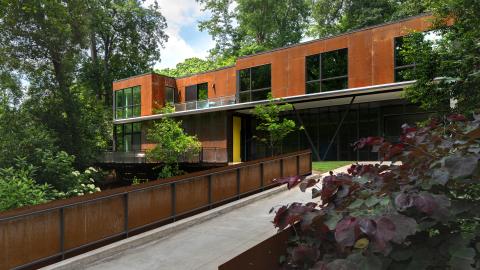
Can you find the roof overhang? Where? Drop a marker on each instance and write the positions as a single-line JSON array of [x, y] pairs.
[[363, 94]]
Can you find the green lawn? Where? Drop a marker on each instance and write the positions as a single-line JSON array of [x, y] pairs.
[[325, 166]]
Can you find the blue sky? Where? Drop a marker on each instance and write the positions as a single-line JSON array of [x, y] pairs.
[[185, 40]]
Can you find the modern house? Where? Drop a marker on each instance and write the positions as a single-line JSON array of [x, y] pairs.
[[342, 88]]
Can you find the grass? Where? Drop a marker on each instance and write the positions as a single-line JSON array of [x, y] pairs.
[[326, 166]]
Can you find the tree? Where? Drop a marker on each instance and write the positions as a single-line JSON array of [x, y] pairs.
[[172, 144], [124, 40], [449, 68], [272, 128], [194, 65], [247, 26], [419, 211], [332, 17]]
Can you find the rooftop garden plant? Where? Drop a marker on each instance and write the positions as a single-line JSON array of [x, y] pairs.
[[417, 209]]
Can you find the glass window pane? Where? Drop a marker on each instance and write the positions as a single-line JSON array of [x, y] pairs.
[[260, 95], [334, 63], [128, 142], [127, 128], [313, 67], [169, 95], [136, 95], [244, 96], [337, 84], [136, 141], [261, 77], [128, 96], [136, 127], [119, 113], [202, 91], [244, 75], [313, 87], [136, 111], [119, 137], [191, 93], [119, 99]]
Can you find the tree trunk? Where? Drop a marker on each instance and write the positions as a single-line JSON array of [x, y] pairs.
[[96, 73]]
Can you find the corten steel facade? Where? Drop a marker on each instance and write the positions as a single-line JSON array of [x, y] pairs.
[[368, 103]]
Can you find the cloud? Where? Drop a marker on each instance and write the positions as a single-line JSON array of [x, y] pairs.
[[182, 17]]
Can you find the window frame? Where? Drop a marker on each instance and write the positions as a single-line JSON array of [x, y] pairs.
[[251, 91], [174, 95], [321, 80], [128, 110], [401, 68], [120, 145]]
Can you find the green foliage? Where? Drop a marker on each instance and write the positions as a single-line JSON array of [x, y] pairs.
[[418, 212], [172, 143], [449, 69], [17, 188], [195, 65], [332, 17], [272, 127], [247, 26]]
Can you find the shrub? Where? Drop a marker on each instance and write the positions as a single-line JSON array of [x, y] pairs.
[[418, 212], [17, 188]]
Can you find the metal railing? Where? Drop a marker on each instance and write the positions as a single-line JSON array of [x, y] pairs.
[[206, 155], [72, 225], [204, 104]]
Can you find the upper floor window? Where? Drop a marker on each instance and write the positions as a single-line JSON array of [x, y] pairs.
[[327, 71], [197, 92], [401, 63], [127, 102], [255, 83], [170, 95]]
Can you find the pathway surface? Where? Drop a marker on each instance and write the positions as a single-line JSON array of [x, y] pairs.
[[209, 244]]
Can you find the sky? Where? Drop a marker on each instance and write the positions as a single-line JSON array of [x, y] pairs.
[[185, 39]]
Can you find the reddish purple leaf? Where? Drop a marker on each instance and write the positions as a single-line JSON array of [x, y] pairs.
[[304, 254], [308, 183], [456, 118], [367, 226], [291, 181], [346, 231]]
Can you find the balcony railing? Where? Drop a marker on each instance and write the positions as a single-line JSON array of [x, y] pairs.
[[206, 155], [205, 104]]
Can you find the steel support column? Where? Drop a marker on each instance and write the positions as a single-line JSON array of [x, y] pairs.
[[312, 146], [338, 127]]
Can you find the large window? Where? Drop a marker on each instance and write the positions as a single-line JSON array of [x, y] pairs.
[[128, 137], [255, 83], [401, 64], [197, 92], [127, 102], [327, 71], [170, 95]]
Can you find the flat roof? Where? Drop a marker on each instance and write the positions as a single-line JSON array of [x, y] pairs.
[[358, 91]]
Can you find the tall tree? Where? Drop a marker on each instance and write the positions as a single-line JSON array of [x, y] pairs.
[[447, 70], [124, 40], [47, 36], [331, 17], [246, 26]]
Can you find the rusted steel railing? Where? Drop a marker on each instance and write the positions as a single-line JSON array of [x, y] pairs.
[[42, 234]]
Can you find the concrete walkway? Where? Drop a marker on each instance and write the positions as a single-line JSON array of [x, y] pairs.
[[208, 244]]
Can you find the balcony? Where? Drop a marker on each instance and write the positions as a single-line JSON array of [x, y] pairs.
[[206, 155], [205, 104]]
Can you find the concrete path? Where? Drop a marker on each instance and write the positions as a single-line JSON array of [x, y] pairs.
[[208, 244]]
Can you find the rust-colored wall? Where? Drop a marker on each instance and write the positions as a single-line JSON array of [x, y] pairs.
[[152, 87], [370, 62], [35, 232]]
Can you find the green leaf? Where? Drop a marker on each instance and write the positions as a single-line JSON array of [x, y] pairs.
[[462, 259], [332, 219], [356, 204], [371, 201]]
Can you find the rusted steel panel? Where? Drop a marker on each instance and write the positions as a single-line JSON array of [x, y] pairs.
[[148, 206], [250, 178], [289, 166], [360, 59], [224, 186], [191, 194], [89, 222], [29, 238], [305, 164], [271, 170], [265, 255]]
